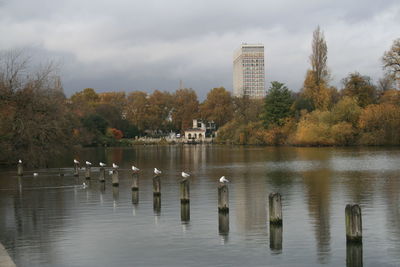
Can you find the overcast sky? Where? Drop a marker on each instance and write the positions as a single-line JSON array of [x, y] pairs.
[[127, 45]]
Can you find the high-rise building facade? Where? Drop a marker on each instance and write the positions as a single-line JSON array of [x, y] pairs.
[[249, 71]]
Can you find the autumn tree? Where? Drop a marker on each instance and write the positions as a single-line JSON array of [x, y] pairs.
[[160, 106], [319, 57], [359, 87], [185, 108], [391, 59], [218, 106], [36, 124], [315, 85], [390, 97], [278, 102], [84, 102], [380, 125], [137, 109]]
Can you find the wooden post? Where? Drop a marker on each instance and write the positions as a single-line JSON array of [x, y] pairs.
[[157, 204], [275, 237], [156, 186], [353, 223], [76, 169], [102, 175], [184, 191], [223, 198], [185, 211], [135, 179], [20, 169], [115, 180], [135, 197], [87, 172], [275, 209], [223, 223]]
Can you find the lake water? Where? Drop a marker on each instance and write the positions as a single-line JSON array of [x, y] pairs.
[[50, 220]]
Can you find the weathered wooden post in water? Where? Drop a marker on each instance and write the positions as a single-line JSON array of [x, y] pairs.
[[76, 167], [157, 182], [275, 209], [135, 178], [87, 170], [102, 174], [353, 223], [223, 195], [114, 179], [156, 186], [20, 168], [184, 191]]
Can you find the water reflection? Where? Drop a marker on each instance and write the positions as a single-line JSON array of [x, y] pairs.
[[135, 197], [42, 222], [223, 225], [275, 238], [318, 198], [115, 190], [185, 212], [354, 255], [157, 204]]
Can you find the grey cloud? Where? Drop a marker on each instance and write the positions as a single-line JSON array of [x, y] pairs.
[[146, 45]]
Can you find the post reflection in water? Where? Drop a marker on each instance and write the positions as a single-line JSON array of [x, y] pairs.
[[275, 238], [223, 225], [135, 197], [102, 188], [185, 212], [316, 184], [354, 255], [115, 196], [157, 204]]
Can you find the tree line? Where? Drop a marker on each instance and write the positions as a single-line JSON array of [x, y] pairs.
[[37, 121]]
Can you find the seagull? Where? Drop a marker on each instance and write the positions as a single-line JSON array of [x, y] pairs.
[[35, 174], [115, 166], [135, 169], [157, 171], [84, 185], [102, 164], [185, 175], [88, 163], [76, 162], [223, 180], [19, 161]]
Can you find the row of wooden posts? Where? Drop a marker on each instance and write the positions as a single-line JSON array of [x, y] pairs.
[[352, 211]]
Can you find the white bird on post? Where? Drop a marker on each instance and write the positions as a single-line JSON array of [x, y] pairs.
[[76, 162], [88, 163], [115, 166], [102, 164], [135, 169], [157, 171], [185, 175], [223, 180], [20, 161]]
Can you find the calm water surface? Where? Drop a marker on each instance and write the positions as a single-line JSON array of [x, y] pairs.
[[50, 220]]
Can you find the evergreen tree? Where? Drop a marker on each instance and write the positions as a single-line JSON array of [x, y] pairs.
[[278, 104]]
